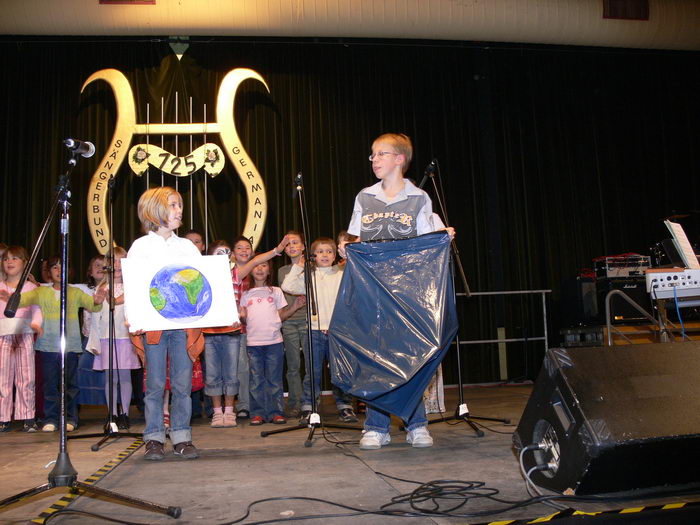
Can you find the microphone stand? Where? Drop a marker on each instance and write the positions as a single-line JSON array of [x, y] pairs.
[[63, 473], [111, 430], [461, 412], [314, 420]]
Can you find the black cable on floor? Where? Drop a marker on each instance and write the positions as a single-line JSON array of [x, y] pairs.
[[94, 515]]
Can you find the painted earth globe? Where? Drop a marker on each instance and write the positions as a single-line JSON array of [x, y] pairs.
[[180, 293]]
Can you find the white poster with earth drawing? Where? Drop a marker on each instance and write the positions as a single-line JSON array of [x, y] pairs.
[[178, 292]]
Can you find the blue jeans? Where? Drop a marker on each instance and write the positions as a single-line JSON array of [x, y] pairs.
[[266, 390], [173, 345], [320, 348], [380, 421], [51, 370], [91, 383], [243, 377], [293, 331], [221, 355]]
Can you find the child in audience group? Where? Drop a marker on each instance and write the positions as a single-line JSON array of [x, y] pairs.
[[91, 382], [293, 328], [221, 348], [17, 345], [198, 396], [263, 308], [124, 358], [240, 255], [326, 282], [243, 260], [224, 345]]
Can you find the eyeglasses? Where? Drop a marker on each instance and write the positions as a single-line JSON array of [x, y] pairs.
[[381, 154], [222, 251]]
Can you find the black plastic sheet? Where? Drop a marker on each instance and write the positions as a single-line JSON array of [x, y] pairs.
[[394, 320]]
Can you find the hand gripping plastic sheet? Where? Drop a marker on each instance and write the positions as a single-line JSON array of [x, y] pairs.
[[393, 321]]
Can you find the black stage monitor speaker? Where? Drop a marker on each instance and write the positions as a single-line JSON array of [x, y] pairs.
[[615, 418]]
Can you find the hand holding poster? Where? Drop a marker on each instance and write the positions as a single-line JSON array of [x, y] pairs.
[[178, 292]]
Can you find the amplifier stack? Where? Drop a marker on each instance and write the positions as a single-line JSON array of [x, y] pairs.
[[627, 274]]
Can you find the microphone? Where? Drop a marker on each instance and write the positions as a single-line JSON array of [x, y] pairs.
[[297, 185], [79, 147], [428, 172], [12, 304]]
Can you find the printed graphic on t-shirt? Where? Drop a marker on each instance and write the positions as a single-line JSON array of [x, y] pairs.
[[389, 221], [259, 300], [396, 224]]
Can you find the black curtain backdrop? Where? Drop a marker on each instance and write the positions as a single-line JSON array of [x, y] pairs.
[[549, 156]]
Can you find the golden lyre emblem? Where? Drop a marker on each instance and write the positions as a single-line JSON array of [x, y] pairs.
[[208, 156]]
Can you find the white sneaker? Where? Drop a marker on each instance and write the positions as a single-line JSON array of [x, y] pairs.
[[48, 427], [372, 440], [419, 438]]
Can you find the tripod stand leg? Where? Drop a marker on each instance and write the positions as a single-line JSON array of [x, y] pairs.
[[309, 439], [91, 490], [496, 419], [96, 446], [462, 414], [173, 512], [266, 433], [477, 430], [25, 494], [107, 434], [465, 418]]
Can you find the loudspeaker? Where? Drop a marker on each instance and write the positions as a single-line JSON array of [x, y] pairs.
[[578, 301], [621, 312], [614, 418]]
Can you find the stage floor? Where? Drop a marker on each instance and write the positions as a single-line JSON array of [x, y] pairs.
[[238, 467]]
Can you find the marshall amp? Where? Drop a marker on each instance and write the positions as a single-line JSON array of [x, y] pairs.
[[621, 312]]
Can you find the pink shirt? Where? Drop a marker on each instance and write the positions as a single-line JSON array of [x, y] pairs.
[[263, 321], [24, 316]]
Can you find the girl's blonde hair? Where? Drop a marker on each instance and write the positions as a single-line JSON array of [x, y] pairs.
[[153, 207]]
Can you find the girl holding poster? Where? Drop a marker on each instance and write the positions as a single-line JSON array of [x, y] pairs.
[[160, 213]]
